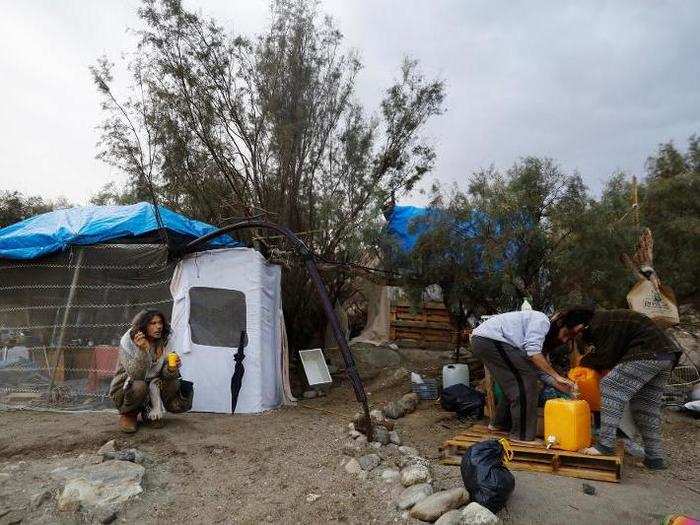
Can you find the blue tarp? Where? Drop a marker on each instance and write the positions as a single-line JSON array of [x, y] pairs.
[[57, 230], [408, 223]]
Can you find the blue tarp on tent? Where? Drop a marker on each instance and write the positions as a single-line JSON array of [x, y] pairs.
[[57, 230]]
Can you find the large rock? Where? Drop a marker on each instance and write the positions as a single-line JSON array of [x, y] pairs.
[[413, 495], [475, 514], [414, 474], [434, 506], [394, 437], [369, 461], [103, 486], [390, 475], [369, 359], [451, 517]]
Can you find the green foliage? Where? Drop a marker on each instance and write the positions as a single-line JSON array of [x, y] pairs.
[[15, 207], [220, 125]]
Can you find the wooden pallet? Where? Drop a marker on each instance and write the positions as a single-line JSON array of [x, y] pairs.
[[430, 326], [536, 458]]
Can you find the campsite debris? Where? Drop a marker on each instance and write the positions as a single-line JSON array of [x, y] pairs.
[[390, 475], [413, 494], [312, 497], [394, 437], [408, 451], [435, 505], [451, 517], [102, 486], [353, 467], [588, 489], [414, 474], [369, 461], [475, 514], [131, 454], [110, 446], [38, 499]]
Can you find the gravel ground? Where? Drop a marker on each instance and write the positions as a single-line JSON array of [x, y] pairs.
[[205, 468]]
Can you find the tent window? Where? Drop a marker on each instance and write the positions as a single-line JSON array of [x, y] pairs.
[[217, 317]]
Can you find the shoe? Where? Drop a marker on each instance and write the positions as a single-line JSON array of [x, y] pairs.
[[128, 423], [655, 463]]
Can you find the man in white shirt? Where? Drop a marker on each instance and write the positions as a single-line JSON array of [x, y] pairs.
[[510, 346]]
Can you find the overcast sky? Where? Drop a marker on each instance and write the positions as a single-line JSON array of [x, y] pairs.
[[595, 85]]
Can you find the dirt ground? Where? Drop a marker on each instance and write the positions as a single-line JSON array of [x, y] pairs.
[[204, 468]]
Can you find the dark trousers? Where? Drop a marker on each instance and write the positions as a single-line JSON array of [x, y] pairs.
[[134, 398], [518, 379]]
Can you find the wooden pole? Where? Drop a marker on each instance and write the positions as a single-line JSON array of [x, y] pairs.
[[635, 201]]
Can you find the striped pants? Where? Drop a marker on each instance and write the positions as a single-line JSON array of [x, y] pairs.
[[641, 384]]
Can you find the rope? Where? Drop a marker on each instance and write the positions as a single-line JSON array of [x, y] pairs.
[[508, 452]]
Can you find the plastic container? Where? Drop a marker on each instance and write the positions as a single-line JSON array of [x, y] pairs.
[[567, 424], [588, 382], [455, 374], [427, 390]]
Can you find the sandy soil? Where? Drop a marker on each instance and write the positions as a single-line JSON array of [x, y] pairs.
[[206, 468]]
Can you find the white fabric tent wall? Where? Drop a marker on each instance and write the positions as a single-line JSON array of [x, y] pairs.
[[210, 368]]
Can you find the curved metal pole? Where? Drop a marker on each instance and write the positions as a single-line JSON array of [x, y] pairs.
[[311, 267]]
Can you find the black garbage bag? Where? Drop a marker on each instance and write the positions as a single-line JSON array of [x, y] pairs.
[[488, 481], [464, 400]]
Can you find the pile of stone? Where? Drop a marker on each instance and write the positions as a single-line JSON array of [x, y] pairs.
[[385, 459]]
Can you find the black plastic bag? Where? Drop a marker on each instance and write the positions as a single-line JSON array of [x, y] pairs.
[[488, 481], [464, 400]]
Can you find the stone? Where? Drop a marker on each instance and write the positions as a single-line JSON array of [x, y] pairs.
[[369, 461], [408, 403], [451, 517], [388, 424], [354, 434], [39, 499], [312, 497], [131, 454], [413, 494], [381, 434], [475, 514], [354, 447], [408, 451], [376, 445], [405, 461], [351, 427], [376, 416], [588, 489], [414, 474], [437, 504], [4, 476], [394, 411], [353, 467], [310, 394], [362, 440], [394, 437], [102, 486], [108, 447], [390, 475]]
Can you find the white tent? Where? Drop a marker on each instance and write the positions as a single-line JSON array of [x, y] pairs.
[[217, 294]]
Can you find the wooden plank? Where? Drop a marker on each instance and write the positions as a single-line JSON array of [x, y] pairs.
[[424, 325]]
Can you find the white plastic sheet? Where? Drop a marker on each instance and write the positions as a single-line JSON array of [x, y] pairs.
[[210, 368]]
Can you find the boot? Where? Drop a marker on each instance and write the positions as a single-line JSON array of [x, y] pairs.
[[127, 422]]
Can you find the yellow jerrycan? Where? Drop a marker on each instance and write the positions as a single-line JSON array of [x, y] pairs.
[[588, 382], [567, 424]]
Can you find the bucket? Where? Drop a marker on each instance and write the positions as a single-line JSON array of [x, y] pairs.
[[454, 375]]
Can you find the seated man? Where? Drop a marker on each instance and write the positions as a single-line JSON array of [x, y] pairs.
[[143, 382]]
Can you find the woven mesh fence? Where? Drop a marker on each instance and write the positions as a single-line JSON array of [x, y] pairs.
[[61, 318]]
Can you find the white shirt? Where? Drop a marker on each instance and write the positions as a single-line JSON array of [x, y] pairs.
[[525, 330]]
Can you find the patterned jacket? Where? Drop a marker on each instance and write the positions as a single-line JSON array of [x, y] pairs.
[[624, 335]]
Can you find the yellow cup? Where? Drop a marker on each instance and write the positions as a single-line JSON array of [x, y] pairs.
[[172, 360]]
